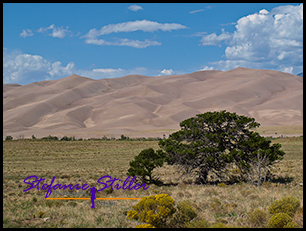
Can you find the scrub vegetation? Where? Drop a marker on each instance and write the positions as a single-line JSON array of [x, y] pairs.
[[217, 204]]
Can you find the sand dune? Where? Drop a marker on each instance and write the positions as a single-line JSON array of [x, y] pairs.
[[137, 105]]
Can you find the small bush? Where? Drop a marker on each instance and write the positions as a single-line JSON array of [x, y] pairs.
[[216, 205], [155, 210], [222, 185], [50, 138], [279, 220], [218, 225], [145, 226], [143, 165], [291, 224], [287, 205], [258, 218], [203, 223], [185, 213], [8, 138]]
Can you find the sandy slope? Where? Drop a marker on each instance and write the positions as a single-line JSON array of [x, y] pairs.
[[137, 105]]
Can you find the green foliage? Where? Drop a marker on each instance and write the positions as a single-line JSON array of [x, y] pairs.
[[291, 224], [144, 164], [287, 205], [145, 226], [158, 211], [211, 141], [8, 138], [258, 218], [184, 214], [219, 225], [202, 223], [50, 138], [279, 220], [154, 210], [33, 137], [65, 138], [124, 138]]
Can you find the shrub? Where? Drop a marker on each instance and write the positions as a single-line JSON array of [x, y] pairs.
[[279, 220], [144, 164], [216, 205], [8, 138], [291, 224], [258, 218], [185, 213], [145, 226], [50, 138], [219, 225], [287, 205], [155, 210], [203, 223]]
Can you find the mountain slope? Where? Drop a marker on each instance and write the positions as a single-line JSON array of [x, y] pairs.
[[137, 105]]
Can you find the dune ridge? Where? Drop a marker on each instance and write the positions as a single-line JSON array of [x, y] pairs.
[[138, 105]]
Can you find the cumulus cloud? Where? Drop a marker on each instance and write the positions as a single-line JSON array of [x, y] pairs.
[[139, 25], [167, 72], [214, 39], [264, 39], [25, 33], [24, 68], [134, 7], [206, 68], [57, 32]]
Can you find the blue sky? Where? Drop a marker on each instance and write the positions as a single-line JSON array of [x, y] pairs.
[[43, 41]]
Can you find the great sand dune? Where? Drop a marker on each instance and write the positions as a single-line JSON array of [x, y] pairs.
[[137, 105]]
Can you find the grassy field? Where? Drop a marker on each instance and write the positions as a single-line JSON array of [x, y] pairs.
[[88, 160]]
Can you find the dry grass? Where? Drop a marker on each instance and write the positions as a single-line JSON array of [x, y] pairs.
[[89, 160]]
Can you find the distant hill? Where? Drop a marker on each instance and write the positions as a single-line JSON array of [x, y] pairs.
[[300, 74], [137, 105]]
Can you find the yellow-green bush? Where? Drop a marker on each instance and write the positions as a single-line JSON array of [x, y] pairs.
[[145, 226], [279, 220], [202, 223], [219, 225], [258, 218], [287, 205], [158, 211], [154, 210], [184, 214], [291, 224]]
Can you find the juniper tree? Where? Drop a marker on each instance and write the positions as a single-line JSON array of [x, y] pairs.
[[211, 141], [143, 165]]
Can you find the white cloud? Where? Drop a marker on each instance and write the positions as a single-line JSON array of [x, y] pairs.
[[264, 39], [101, 73], [144, 25], [206, 68], [25, 33], [196, 11], [135, 7], [124, 42], [213, 39], [57, 32], [24, 68], [167, 72], [107, 70]]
